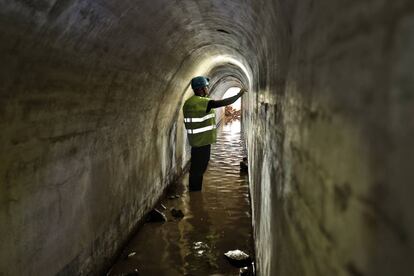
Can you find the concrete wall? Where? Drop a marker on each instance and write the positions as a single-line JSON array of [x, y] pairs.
[[91, 128], [88, 141], [331, 140]]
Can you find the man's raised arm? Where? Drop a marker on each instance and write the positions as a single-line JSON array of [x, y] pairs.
[[214, 104]]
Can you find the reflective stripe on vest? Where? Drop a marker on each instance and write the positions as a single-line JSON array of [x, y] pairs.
[[199, 120], [199, 130]]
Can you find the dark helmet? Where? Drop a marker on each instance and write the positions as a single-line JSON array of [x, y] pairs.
[[199, 82]]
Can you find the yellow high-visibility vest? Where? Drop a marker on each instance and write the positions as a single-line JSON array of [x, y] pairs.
[[201, 126]]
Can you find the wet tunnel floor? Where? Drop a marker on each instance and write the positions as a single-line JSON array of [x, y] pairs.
[[216, 220]]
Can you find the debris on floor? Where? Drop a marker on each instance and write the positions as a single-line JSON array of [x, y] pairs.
[[177, 213], [238, 258], [132, 254], [156, 216], [244, 271], [173, 196], [247, 271], [163, 206], [244, 166]]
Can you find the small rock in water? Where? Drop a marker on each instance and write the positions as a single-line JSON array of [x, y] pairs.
[[132, 254], [237, 255], [244, 167], [246, 271], [238, 258], [156, 216], [177, 213]]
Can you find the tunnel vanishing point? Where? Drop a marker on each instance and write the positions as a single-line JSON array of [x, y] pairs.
[[92, 128]]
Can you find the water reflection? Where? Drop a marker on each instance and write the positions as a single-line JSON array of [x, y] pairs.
[[232, 130]]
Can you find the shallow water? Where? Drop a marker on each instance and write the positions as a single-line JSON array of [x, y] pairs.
[[216, 220]]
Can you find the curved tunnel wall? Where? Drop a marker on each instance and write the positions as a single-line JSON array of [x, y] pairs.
[[329, 139], [92, 131]]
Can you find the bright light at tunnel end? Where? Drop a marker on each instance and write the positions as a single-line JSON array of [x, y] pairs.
[[214, 61], [230, 93]]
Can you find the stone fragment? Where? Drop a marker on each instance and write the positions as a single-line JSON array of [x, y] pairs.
[[238, 258], [247, 271], [244, 166], [156, 216], [131, 254], [177, 213], [244, 271]]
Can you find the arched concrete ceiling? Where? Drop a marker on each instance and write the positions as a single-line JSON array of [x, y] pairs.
[[137, 35], [157, 45]]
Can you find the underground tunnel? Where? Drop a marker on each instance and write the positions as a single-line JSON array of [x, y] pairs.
[[92, 131]]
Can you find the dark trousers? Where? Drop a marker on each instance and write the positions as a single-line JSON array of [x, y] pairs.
[[199, 162]]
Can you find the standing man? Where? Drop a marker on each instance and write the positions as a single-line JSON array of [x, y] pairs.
[[200, 122]]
